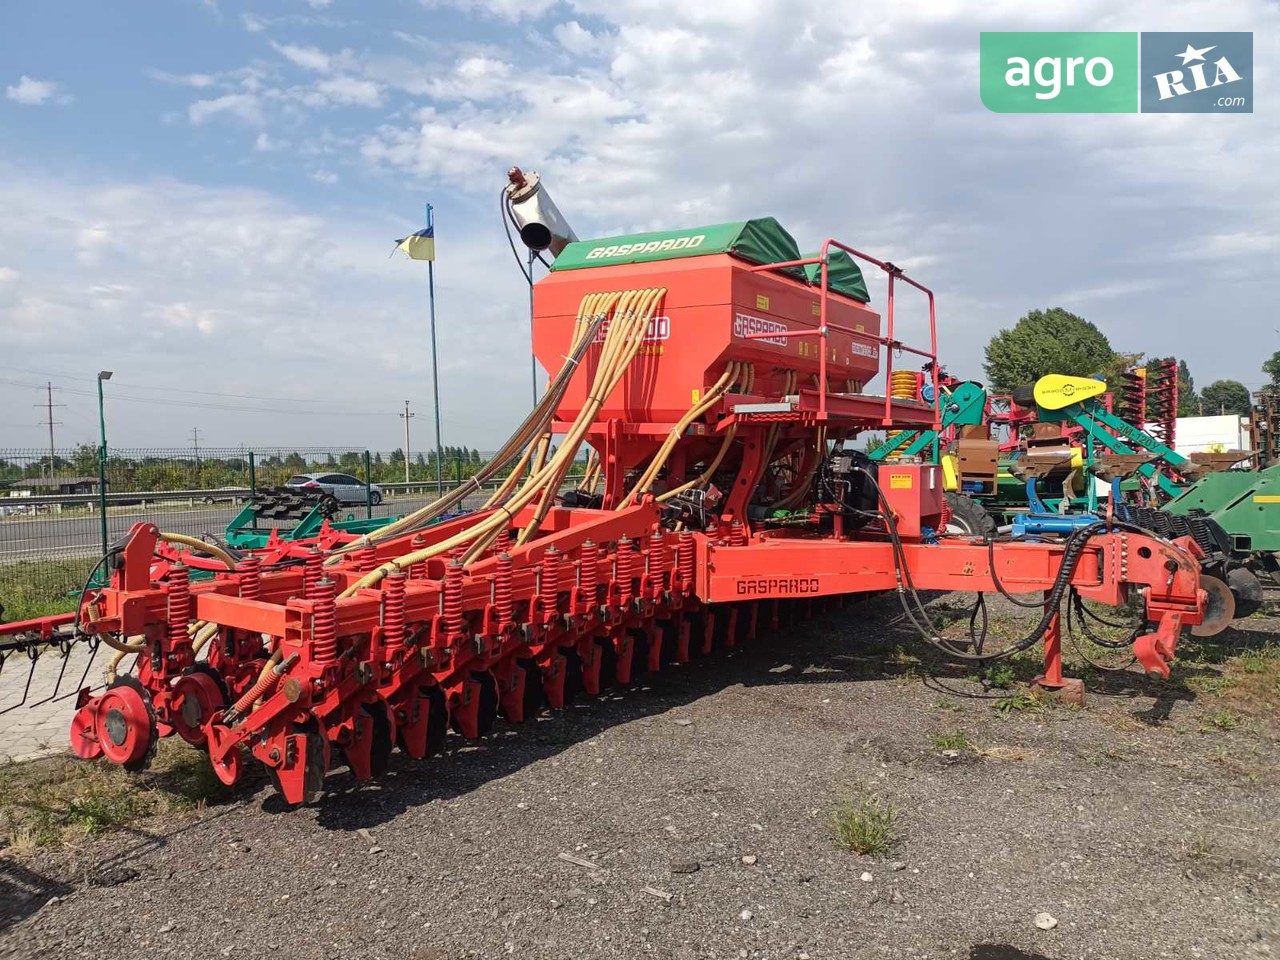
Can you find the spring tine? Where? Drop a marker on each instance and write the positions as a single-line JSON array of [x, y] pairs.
[[33, 655], [94, 644], [65, 647]]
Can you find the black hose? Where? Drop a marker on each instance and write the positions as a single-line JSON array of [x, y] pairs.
[[1073, 550], [1083, 613], [506, 218], [88, 582], [995, 578], [976, 640]]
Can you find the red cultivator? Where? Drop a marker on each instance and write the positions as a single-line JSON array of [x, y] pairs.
[[714, 395]]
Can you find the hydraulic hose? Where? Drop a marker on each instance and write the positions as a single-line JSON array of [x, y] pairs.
[[722, 386], [804, 482], [607, 377], [534, 424], [1074, 549], [632, 312], [200, 546], [706, 474]]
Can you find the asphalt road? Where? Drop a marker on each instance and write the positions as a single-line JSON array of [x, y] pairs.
[[78, 535]]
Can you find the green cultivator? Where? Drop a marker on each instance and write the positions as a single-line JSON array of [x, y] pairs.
[[290, 514]]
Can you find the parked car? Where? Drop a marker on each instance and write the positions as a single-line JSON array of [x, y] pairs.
[[344, 487]]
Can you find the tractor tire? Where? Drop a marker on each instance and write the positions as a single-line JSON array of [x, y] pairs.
[[968, 517], [1247, 589]]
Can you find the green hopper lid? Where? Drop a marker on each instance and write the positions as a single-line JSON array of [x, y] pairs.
[[758, 241], [843, 274]]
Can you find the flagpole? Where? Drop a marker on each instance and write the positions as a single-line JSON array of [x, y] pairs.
[[435, 369]]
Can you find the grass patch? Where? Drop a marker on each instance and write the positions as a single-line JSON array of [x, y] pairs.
[[953, 740], [1220, 720], [865, 825], [58, 800], [998, 677], [1211, 684], [1259, 660], [41, 588], [1018, 703]]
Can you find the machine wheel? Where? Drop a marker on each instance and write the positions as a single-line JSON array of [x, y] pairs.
[[572, 674], [1247, 589], [316, 765], [376, 499], [383, 739], [533, 697], [968, 517], [1220, 609], [487, 710], [126, 724], [204, 693], [438, 724]]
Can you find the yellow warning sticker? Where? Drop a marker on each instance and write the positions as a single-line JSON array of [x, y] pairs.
[[1266, 499], [697, 395], [900, 481], [762, 302]]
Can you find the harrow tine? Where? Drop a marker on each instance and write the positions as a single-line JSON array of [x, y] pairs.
[[65, 647], [94, 644], [33, 655]]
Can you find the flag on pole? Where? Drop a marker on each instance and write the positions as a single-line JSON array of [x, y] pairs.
[[420, 245]]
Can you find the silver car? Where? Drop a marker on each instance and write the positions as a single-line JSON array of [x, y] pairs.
[[344, 487]]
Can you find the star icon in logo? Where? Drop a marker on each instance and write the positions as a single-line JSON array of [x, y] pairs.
[[1191, 53]]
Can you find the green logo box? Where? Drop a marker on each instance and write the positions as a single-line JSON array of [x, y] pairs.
[[1059, 72]]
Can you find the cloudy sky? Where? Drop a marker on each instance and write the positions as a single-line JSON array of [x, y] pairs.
[[201, 196]]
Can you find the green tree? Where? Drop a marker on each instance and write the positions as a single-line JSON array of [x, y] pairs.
[[1272, 369], [1042, 342], [1225, 396], [85, 458], [1188, 401]]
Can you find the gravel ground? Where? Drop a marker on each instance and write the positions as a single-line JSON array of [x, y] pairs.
[[1144, 824]]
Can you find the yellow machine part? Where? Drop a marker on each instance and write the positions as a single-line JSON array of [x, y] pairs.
[[1055, 391], [950, 472], [902, 385]]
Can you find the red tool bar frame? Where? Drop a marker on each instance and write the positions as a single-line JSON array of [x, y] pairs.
[[894, 272]]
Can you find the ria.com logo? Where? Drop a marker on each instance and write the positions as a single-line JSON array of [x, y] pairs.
[[1100, 72]]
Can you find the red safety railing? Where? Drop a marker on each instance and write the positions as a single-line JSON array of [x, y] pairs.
[[821, 331]]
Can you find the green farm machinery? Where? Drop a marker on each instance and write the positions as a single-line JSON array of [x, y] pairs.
[[1046, 482]]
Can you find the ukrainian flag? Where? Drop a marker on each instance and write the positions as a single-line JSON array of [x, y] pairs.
[[420, 245]]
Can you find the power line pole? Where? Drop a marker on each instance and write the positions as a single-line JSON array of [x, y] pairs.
[[195, 442], [406, 417], [48, 406]]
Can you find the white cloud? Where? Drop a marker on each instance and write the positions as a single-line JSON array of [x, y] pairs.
[[309, 58], [9, 275], [577, 39], [252, 23], [325, 177], [245, 107], [319, 4], [716, 110], [502, 9], [351, 90], [198, 80], [173, 270], [33, 93], [655, 113]]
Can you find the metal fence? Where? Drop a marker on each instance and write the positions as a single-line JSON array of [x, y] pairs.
[[53, 527]]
